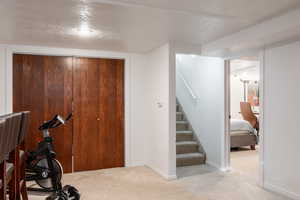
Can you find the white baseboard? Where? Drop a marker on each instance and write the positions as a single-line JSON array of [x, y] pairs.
[[282, 191], [135, 164], [171, 177], [228, 169], [222, 169], [214, 165], [165, 176]]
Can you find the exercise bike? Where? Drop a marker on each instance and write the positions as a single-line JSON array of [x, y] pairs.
[[44, 169]]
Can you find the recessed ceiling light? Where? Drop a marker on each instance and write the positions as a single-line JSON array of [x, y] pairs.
[[84, 30]]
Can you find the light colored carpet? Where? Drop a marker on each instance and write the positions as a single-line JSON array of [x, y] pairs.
[[245, 162], [141, 183], [135, 183]]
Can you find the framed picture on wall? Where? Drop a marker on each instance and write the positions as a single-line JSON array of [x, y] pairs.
[[253, 93]]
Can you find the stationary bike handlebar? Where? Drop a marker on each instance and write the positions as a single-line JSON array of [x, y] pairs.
[[55, 122]]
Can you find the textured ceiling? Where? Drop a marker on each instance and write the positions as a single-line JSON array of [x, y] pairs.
[[245, 69], [247, 10], [130, 25]]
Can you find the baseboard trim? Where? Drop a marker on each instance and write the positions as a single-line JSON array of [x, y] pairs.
[[135, 164], [213, 165], [223, 169], [171, 177], [282, 191], [165, 176]]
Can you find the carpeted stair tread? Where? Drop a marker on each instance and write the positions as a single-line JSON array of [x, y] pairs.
[[179, 116], [190, 155], [185, 135], [181, 122], [189, 159], [187, 143], [182, 125], [188, 149], [184, 132]]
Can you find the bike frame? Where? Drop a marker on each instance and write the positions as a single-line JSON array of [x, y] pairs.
[[45, 150]]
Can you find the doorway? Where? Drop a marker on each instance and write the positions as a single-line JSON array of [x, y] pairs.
[[199, 113], [91, 88], [244, 103]]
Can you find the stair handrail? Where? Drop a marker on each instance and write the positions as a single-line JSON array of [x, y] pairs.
[[188, 87]]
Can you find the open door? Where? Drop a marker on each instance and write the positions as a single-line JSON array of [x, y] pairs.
[[243, 106]]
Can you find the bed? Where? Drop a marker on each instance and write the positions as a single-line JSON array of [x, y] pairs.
[[242, 134]]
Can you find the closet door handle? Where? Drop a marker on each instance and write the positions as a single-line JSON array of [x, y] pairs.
[[98, 119]]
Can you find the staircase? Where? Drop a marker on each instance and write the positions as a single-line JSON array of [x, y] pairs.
[[188, 149]]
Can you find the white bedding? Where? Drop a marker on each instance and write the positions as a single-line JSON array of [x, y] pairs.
[[241, 125]]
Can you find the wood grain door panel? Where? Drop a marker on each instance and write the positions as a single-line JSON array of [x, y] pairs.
[[43, 85], [86, 98], [111, 109], [99, 113], [47, 85]]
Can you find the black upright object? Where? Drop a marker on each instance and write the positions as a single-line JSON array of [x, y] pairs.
[[44, 169]]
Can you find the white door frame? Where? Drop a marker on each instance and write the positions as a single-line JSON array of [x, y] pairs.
[[226, 147], [226, 152], [41, 50]]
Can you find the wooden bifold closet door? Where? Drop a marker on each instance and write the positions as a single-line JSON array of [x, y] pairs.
[[99, 109], [91, 88], [43, 85]]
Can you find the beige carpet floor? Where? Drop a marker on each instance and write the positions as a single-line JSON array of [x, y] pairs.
[[142, 183], [245, 162]]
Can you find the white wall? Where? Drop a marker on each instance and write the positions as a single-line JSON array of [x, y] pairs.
[[146, 85], [139, 120], [282, 119], [205, 75], [157, 109], [2, 80], [236, 96]]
